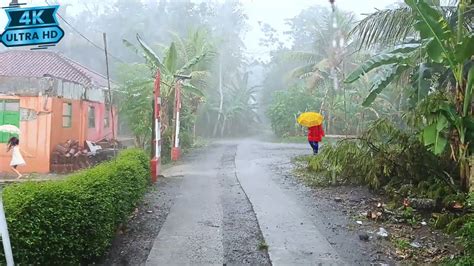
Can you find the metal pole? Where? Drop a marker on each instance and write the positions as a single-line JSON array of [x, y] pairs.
[[7, 248]]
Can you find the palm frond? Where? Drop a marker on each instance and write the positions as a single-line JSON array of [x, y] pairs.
[[301, 72], [301, 56], [384, 28]]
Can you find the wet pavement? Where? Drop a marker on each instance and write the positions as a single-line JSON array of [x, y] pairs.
[[235, 203]]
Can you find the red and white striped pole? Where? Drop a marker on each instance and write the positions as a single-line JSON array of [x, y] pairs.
[[175, 150], [155, 162]]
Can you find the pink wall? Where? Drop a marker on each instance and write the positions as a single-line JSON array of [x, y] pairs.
[[34, 137], [99, 132]]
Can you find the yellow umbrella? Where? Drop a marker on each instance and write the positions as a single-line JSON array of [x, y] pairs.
[[310, 119]]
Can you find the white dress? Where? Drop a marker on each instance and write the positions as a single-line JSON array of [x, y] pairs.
[[17, 159]]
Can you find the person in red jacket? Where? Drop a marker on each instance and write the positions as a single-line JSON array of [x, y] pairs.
[[315, 135]]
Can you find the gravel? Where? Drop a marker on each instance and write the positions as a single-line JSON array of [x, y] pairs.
[[242, 238]]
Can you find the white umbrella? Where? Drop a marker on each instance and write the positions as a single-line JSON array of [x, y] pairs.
[[10, 129]]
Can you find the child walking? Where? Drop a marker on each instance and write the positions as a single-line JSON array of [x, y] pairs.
[[17, 159], [315, 135]]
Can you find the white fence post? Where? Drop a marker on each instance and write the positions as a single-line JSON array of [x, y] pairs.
[[7, 248]]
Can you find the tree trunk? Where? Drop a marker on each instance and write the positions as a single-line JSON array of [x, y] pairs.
[[221, 103], [223, 127]]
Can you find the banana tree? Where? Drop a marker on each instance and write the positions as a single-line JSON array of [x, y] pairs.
[[447, 46], [172, 64]]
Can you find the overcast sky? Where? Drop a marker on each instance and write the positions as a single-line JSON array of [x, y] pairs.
[[273, 12]]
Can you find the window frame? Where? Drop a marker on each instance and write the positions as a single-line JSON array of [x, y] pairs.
[[107, 116], [69, 115], [4, 112], [90, 118]]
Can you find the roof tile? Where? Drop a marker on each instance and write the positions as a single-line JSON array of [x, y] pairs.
[[26, 63]]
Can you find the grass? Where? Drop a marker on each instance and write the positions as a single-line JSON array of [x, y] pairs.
[[401, 244], [262, 246]]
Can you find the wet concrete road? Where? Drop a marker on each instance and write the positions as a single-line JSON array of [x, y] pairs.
[[231, 202], [288, 229]]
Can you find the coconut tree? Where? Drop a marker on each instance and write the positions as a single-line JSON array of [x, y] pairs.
[[330, 47]]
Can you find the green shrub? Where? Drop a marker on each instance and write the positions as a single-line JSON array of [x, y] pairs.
[[74, 220], [467, 235], [383, 155], [286, 106]]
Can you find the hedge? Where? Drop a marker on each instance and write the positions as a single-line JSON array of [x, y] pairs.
[[73, 221]]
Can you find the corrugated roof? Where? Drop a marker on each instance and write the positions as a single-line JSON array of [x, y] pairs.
[[26, 63]]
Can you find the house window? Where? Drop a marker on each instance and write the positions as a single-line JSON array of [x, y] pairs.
[[91, 117], [107, 117], [67, 114], [9, 115]]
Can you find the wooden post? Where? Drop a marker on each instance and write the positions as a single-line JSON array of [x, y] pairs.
[[7, 248]]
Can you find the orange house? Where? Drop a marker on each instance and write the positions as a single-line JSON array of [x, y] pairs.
[[51, 99]]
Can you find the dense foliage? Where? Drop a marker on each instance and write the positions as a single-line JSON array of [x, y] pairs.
[[382, 155], [74, 220], [288, 102]]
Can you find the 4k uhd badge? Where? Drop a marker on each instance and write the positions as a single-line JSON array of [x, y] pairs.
[[32, 26]]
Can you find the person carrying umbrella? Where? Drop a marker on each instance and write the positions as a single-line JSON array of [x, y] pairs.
[[315, 135], [313, 122], [14, 146], [17, 158]]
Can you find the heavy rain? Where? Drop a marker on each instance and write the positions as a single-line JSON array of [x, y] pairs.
[[217, 132]]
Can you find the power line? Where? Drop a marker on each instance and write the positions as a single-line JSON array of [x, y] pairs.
[[87, 39]]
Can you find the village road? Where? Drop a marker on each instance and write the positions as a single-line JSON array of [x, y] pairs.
[[235, 201]]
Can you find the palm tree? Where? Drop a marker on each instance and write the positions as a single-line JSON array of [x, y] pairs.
[[326, 55]]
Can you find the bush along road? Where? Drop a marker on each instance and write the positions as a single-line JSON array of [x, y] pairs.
[[73, 221]]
